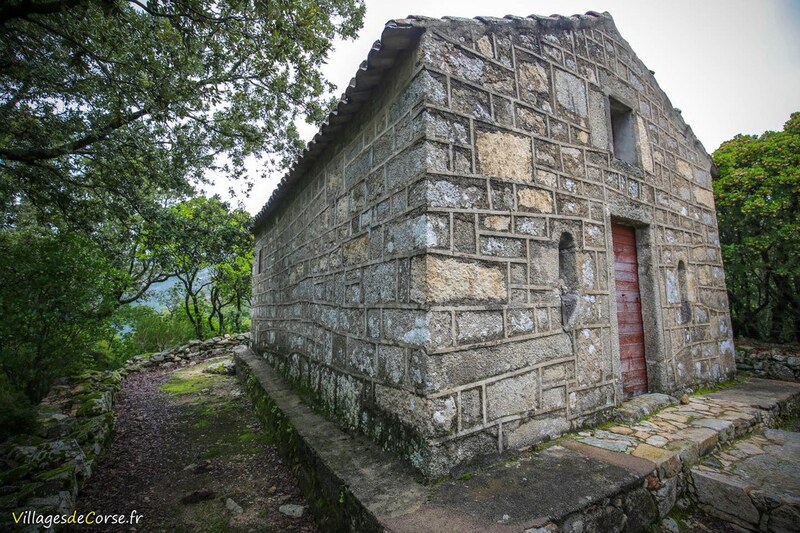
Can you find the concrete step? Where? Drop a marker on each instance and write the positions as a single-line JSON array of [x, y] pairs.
[[755, 483], [625, 477]]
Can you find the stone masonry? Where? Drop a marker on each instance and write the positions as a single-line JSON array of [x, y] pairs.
[[437, 271], [771, 361]]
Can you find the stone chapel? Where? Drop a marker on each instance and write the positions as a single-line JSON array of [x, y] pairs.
[[502, 231]]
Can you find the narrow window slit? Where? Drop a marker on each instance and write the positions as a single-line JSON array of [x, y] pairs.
[[622, 131], [686, 309], [568, 279]]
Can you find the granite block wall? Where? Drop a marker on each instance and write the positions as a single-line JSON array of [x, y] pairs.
[[443, 279]]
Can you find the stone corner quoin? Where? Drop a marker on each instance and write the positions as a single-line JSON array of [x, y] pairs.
[[441, 275]]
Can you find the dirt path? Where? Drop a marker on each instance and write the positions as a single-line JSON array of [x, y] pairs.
[[185, 435]]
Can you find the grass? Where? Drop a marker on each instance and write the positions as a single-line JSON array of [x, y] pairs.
[[681, 516], [608, 424], [788, 422], [716, 387], [201, 424], [181, 385], [211, 417], [247, 437]]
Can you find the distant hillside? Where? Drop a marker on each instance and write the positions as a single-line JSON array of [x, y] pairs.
[[158, 294]]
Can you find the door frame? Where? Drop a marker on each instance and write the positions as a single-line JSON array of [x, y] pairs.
[[658, 374]]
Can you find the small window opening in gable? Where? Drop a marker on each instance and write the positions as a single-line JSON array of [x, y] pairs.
[[568, 278], [686, 310], [622, 132], [258, 262]]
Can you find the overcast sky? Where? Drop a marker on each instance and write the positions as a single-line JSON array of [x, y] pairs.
[[731, 66]]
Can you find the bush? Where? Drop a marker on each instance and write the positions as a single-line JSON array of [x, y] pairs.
[[17, 415], [145, 330], [56, 294]]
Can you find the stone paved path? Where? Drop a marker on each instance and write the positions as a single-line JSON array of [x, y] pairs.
[[703, 422], [754, 483], [714, 447], [188, 435]]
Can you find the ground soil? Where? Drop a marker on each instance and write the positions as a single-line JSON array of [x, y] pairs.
[[188, 435]]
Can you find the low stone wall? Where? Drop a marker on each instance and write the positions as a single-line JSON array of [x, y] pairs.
[[44, 471], [769, 361], [194, 350]]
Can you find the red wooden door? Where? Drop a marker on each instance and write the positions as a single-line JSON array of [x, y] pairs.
[[629, 311]]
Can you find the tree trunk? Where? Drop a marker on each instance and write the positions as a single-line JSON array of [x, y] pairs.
[[198, 318], [193, 313], [779, 312]]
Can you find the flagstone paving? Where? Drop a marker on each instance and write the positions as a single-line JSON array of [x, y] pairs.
[[714, 448], [754, 483]]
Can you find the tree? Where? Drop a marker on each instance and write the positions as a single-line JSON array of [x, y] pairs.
[[231, 286], [757, 195], [112, 112], [205, 246], [109, 105], [56, 293]]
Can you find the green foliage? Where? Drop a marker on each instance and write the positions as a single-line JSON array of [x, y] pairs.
[[209, 249], [107, 106], [113, 112], [56, 294], [145, 330], [757, 197], [17, 415]]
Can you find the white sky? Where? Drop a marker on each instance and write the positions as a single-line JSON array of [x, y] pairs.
[[731, 66]]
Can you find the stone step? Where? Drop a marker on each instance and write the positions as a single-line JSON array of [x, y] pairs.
[[641, 406], [678, 438], [755, 483]]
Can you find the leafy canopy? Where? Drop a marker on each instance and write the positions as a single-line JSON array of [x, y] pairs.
[[112, 112], [757, 197], [108, 105], [208, 248], [56, 292]]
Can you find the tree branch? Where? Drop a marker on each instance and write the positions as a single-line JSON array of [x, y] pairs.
[[27, 8], [32, 155]]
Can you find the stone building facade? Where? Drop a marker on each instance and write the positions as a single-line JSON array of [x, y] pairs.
[[503, 231]]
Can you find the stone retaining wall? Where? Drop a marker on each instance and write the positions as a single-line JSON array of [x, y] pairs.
[[44, 471], [769, 361]]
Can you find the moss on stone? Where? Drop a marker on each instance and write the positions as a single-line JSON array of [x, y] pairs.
[[65, 471], [27, 490], [181, 385], [722, 385], [335, 508], [94, 429], [15, 474]]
